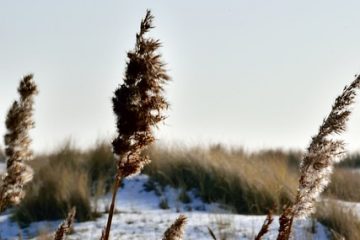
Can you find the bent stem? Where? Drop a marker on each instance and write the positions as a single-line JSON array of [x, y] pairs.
[[112, 207]]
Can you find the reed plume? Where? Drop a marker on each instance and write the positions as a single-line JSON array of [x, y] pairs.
[[65, 227], [17, 145], [138, 105], [176, 230], [321, 155]]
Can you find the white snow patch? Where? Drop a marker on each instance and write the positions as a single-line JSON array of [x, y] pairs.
[[2, 167]]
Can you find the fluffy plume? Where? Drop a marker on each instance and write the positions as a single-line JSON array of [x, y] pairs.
[[323, 151], [176, 230], [138, 103], [65, 227], [17, 145], [317, 164]]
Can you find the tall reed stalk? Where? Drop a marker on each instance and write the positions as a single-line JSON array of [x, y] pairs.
[[138, 105], [17, 145], [317, 165]]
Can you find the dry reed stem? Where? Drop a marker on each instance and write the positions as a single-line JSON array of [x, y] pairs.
[[17, 141], [138, 104], [317, 165], [265, 227], [176, 230], [212, 234], [65, 227]]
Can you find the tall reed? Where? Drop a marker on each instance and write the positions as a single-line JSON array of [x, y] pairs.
[[138, 105], [317, 165], [17, 145]]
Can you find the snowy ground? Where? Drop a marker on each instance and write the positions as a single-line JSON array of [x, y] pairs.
[[140, 217], [2, 167]]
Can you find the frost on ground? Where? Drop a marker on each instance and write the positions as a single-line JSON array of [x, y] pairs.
[[144, 211]]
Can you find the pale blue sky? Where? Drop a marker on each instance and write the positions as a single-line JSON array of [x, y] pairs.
[[251, 73]]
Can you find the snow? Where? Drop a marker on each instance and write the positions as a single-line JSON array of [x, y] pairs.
[[2, 167], [138, 216]]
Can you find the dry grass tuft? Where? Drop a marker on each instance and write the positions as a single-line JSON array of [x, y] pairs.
[[51, 197], [250, 183], [17, 145], [342, 185], [342, 222], [2, 155], [176, 230]]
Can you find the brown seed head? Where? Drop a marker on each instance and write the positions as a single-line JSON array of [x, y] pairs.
[[17, 145], [65, 227], [176, 230], [139, 102]]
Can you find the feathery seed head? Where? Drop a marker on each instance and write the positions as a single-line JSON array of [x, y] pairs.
[[65, 227], [323, 151], [138, 103], [17, 145], [317, 165], [176, 230]]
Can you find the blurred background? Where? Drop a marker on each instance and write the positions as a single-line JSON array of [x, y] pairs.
[[256, 74]]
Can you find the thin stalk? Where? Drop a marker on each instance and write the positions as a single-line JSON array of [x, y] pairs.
[[112, 207]]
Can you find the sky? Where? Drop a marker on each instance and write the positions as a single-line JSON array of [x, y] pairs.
[[255, 74]]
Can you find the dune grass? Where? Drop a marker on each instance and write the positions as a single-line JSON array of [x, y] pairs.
[[2, 155], [351, 161], [342, 223], [69, 177], [344, 185], [247, 182]]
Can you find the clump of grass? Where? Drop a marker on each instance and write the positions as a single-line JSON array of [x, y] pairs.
[[350, 161], [138, 105], [184, 196], [2, 155], [100, 165], [17, 145], [342, 185], [342, 222], [164, 204], [247, 182], [50, 197]]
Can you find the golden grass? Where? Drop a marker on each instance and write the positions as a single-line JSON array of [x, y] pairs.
[[248, 182], [342, 223], [62, 180], [344, 185]]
